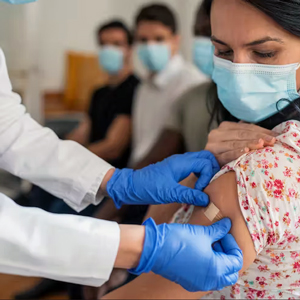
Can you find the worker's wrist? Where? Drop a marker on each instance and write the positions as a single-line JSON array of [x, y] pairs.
[[151, 247], [107, 177], [131, 246]]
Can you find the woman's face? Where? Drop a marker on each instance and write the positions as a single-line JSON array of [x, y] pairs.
[[243, 34]]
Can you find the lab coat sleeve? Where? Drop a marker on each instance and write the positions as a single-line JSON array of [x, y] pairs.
[[61, 247], [32, 152]]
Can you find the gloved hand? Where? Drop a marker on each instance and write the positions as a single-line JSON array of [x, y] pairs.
[[184, 254], [159, 183]]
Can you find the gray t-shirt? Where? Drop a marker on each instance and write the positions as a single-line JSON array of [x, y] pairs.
[[190, 117]]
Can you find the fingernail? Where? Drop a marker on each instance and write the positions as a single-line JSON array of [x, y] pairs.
[[247, 150], [270, 139], [260, 141]]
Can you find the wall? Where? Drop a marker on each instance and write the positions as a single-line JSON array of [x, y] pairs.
[[70, 25]]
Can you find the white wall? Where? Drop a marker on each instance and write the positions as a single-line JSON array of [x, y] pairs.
[[70, 25]]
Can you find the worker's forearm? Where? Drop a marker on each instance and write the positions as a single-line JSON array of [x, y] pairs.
[[131, 246]]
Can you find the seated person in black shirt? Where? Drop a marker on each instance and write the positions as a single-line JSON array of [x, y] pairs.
[[106, 130]]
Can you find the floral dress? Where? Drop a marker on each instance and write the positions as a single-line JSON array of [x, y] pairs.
[[268, 184]]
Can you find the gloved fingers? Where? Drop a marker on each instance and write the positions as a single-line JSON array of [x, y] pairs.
[[204, 171], [231, 263], [206, 155], [230, 245], [234, 253], [201, 167], [229, 280], [219, 230], [218, 247], [183, 194]]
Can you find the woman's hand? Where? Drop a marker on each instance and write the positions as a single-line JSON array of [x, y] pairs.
[[231, 140]]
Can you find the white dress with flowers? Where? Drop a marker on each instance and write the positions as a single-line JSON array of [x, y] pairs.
[[268, 183]]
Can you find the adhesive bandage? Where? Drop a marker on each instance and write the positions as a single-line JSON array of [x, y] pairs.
[[212, 213]]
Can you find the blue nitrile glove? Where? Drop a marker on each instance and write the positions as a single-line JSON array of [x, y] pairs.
[[159, 183], [184, 254]]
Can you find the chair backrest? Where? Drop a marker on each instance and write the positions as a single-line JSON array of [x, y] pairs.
[[83, 75]]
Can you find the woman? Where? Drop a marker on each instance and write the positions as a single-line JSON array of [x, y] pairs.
[[231, 138], [258, 192], [264, 32]]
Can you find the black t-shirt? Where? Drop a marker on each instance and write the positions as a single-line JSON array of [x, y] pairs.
[[107, 103]]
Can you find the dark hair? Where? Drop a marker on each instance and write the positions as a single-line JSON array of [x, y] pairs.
[[286, 13], [158, 13], [202, 24], [116, 24]]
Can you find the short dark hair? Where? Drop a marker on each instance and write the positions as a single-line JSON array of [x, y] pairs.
[[203, 24], [158, 13], [116, 24]]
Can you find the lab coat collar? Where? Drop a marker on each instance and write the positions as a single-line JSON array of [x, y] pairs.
[[162, 79]]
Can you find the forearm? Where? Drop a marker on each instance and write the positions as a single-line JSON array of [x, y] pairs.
[[168, 144], [131, 246], [75, 137], [107, 150], [51, 246]]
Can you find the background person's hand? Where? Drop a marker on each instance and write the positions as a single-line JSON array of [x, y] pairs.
[[232, 140]]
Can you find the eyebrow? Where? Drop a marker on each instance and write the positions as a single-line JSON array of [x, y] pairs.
[[254, 43], [265, 40]]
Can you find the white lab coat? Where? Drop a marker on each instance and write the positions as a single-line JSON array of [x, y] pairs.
[[35, 243]]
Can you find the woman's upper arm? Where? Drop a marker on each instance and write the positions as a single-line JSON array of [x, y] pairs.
[[223, 193]]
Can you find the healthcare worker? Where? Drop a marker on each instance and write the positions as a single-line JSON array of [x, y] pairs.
[[83, 250]]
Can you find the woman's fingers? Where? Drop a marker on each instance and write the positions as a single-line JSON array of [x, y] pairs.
[[222, 147], [219, 135], [246, 127]]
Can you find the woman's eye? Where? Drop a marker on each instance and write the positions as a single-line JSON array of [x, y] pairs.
[[265, 55], [224, 53]]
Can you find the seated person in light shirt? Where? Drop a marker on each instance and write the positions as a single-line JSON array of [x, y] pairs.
[[169, 76], [259, 192]]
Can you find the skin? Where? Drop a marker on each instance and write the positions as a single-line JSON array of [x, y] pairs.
[[156, 32], [249, 37]]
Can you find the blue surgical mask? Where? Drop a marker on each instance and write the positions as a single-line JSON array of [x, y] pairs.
[[111, 59], [155, 57], [18, 1], [203, 55], [250, 92]]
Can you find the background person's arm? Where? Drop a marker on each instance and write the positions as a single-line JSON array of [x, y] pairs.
[[116, 141], [223, 194], [82, 133], [170, 142]]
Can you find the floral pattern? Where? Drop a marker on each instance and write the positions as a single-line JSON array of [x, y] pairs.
[[268, 189]]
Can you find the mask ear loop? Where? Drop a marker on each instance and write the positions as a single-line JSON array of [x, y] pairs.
[[289, 102]]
